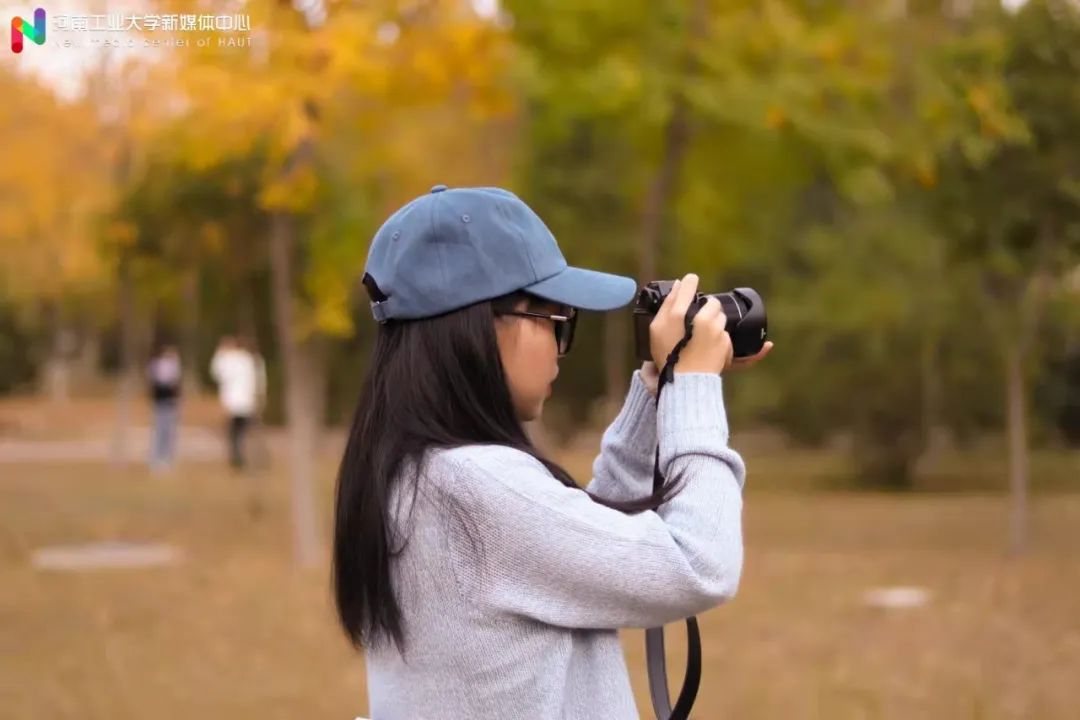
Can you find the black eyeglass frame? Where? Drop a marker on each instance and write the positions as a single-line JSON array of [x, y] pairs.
[[561, 321]]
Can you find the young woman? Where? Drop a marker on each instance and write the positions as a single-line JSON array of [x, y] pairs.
[[479, 579]]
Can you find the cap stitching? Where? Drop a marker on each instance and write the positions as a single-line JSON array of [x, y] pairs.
[[521, 238], [438, 251]]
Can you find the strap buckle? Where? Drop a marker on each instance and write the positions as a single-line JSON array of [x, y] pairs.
[[379, 311]]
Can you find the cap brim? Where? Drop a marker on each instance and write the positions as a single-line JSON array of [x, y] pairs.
[[586, 289]]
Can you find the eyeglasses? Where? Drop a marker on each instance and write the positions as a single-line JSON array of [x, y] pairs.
[[564, 325]]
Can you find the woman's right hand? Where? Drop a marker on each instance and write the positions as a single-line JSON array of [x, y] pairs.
[[709, 349]]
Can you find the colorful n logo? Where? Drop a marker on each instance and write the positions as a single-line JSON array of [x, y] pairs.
[[35, 32]]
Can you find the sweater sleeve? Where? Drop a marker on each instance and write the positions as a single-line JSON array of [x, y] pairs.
[[550, 553], [624, 468]]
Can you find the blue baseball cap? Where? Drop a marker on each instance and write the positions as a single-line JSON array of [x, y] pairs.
[[455, 247]]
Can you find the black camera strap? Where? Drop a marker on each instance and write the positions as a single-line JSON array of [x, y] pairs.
[[654, 637]]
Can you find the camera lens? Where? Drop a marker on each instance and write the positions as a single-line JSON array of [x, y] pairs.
[[745, 311], [746, 320]]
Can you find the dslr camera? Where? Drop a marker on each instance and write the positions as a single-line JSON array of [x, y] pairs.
[[744, 308]]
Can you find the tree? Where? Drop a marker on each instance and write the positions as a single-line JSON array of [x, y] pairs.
[[337, 98], [52, 184], [1015, 215], [826, 125]]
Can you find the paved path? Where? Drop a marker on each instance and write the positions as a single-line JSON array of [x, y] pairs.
[[193, 443]]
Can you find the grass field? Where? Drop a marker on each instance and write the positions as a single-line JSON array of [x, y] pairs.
[[234, 631]]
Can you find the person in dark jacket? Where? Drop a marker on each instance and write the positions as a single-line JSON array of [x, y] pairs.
[[164, 374]]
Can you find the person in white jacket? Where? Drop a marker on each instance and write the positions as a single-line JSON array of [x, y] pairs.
[[240, 374]]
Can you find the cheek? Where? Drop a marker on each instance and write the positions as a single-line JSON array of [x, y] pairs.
[[517, 359], [530, 361], [533, 366], [544, 355]]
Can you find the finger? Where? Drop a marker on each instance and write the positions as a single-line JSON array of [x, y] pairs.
[[669, 299], [765, 350], [687, 291], [755, 359], [708, 313], [721, 317]]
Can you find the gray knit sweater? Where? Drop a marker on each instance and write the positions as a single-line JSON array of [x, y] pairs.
[[512, 586]]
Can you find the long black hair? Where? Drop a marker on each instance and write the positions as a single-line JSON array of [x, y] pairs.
[[431, 383]]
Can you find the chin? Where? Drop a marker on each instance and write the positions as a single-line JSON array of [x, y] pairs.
[[532, 413]]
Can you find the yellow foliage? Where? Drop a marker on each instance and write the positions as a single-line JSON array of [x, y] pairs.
[[292, 193], [212, 235], [121, 233], [926, 171], [53, 183], [775, 118], [978, 97], [400, 113], [829, 48]]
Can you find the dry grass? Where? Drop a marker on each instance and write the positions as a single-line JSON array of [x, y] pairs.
[[236, 632], [233, 632]]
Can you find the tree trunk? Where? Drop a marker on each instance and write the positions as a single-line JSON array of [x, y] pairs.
[[300, 403], [931, 399], [58, 375], [54, 372], [190, 332], [87, 362], [675, 143], [317, 372], [1016, 424], [127, 383], [931, 339], [245, 307], [662, 189], [1018, 345]]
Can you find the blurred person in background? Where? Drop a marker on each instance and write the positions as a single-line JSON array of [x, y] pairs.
[[480, 580], [240, 375], [165, 375]]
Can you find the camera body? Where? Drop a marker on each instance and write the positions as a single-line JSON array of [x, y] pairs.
[[745, 310]]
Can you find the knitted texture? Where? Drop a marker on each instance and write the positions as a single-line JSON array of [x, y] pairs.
[[513, 586]]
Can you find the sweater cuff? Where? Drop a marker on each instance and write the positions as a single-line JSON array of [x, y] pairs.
[[636, 420], [692, 417]]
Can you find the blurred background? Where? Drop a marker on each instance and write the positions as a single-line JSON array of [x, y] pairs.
[[899, 179]]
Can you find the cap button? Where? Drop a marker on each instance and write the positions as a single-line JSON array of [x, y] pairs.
[[438, 188]]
